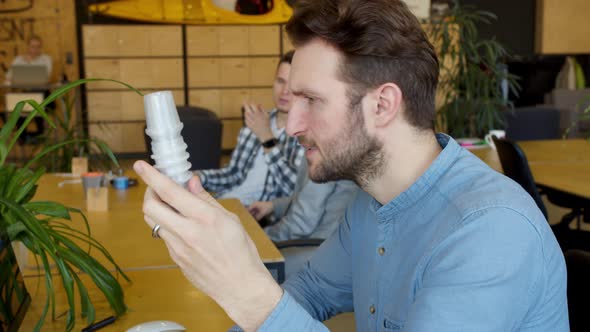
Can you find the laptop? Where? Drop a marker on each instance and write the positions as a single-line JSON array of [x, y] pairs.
[[29, 75]]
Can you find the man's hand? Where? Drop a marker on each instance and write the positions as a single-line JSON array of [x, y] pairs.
[[260, 209], [258, 121], [210, 246]]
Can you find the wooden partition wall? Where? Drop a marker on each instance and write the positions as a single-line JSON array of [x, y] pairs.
[[562, 27], [225, 66], [150, 58], [230, 65]]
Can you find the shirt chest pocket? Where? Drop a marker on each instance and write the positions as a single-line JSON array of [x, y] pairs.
[[392, 325]]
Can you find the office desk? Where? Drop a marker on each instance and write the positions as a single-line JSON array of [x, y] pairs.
[[124, 233], [560, 164], [163, 294]]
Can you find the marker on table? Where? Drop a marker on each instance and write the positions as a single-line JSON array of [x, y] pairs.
[[474, 143], [99, 325]]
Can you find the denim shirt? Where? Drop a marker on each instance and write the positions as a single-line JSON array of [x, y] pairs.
[[463, 249]]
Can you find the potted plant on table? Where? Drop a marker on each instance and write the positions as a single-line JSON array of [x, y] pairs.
[[473, 80], [69, 128], [45, 227], [583, 117]]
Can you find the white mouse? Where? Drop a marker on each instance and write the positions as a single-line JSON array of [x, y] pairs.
[[158, 326]]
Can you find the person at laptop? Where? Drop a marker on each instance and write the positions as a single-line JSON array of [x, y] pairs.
[[264, 164], [34, 56]]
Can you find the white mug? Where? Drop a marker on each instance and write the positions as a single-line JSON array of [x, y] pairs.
[[494, 132]]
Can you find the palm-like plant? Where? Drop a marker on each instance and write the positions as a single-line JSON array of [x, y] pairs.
[[69, 128], [471, 75], [45, 227], [583, 115]]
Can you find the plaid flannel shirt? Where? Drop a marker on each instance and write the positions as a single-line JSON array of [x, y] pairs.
[[282, 160]]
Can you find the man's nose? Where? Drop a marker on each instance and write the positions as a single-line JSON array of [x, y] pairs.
[[285, 91], [296, 122]]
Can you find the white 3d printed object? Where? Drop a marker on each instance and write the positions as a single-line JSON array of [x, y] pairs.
[[164, 126]]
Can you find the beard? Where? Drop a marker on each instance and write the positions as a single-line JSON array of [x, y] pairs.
[[352, 155]]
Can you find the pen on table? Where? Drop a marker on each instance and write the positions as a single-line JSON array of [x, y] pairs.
[[99, 325]]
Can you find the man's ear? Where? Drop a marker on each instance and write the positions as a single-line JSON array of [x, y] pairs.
[[389, 103]]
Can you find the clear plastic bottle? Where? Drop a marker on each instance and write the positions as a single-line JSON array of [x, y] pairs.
[[164, 127]]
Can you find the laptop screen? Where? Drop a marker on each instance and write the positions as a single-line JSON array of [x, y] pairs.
[[29, 75], [14, 297]]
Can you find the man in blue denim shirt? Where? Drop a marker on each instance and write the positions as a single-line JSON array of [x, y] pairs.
[[439, 241]]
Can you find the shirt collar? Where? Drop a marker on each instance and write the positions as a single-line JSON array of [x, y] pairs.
[[418, 189]]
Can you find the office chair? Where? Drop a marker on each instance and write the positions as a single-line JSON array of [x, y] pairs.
[[515, 166], [532, 123], [202, 133], [578, 289]]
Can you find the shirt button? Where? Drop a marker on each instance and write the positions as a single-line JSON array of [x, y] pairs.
[[381, 251], [372, 309]]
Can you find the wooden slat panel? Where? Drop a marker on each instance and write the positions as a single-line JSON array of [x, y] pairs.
[[109, 133], [99, 68], [207, 98], [234, 72], [152, 73], [262, 71], [136, 72], [104, 106], [562, 27], [132, 137], [262, 96], [202, 40], [231, 102], [203, 72], [165, 41], [231, 129], [121, 137], [167, 73], [264, 40], [233, 40], [100, 40], [134, 40], [120, 105]]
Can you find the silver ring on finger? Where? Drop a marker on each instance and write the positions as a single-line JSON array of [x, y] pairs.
[[155, 231]]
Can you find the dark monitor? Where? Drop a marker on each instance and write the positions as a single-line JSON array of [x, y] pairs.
[[14, 297]]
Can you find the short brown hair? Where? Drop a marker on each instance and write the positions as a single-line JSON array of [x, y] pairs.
[[287, 57], [381, 41]]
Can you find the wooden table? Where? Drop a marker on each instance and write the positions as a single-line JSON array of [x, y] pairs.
[[159, 290], [124, 233], [559, 164], [160, 294]]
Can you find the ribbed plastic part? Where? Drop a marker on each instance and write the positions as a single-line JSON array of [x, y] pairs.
[[168, 146]]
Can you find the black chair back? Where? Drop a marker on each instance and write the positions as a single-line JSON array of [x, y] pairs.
[[578, 289], [516, 167], [202, 133], [532, 123]]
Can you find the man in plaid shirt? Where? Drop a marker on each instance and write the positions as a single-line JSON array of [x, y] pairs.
[[264, 164]]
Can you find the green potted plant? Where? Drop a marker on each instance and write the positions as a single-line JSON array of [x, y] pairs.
[[44, 227], [471, 73], [69, 128], [583, 116]]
